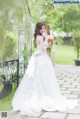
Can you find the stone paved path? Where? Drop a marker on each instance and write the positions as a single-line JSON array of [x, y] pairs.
[[68, 77]]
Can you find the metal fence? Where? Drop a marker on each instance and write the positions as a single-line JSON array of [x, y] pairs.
[[9, 75]]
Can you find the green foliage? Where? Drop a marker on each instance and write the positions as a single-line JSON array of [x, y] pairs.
[[77, 47], [49, 51], [64, 54], [9, 46], [2, 76], [34, 44], [14, 16], [11, 18], [35, 8], [59, 39], [7, 101], [60, 17], [76, 43]]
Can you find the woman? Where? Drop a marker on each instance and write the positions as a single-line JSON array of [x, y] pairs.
[[39, 89]]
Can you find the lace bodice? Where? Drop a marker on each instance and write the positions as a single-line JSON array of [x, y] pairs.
[[41, 45]]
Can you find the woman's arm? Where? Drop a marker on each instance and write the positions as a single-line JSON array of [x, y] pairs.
[[39, 41]]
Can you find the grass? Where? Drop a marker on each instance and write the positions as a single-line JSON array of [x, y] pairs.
[[5, 104], [64, 54]]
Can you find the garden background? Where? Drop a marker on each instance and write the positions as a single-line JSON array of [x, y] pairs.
[[17, 23]]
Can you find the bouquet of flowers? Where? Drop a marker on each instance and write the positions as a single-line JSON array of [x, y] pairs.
[[50, 40]]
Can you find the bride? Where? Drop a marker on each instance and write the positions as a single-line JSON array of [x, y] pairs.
[[39, 90]]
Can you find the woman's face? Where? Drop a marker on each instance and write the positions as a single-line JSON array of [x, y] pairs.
[[43, 30]]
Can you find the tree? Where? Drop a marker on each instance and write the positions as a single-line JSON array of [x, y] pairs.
[[11, 15]]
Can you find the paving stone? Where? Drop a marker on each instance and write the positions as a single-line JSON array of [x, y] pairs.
[[69, 80], [17, 115], [75, 83], [69, 86], [54, 115], [66, 92], [74, 89], [65, 82], [78, 104], [63, 89], [72, 116], [68, 77], [75, 92], [10, 116], [78, 86], [74, 111], [61, 81], [71, 96], [25, 117], [79, 100]]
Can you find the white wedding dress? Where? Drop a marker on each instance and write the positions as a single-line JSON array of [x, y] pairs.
[[39, 90]]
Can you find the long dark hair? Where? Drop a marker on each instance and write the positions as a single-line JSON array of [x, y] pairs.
[[38, 28]]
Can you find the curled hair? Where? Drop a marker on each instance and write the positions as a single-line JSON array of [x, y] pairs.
[[38, 28]]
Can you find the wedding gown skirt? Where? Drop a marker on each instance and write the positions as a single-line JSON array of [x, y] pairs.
[[39, 90]]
